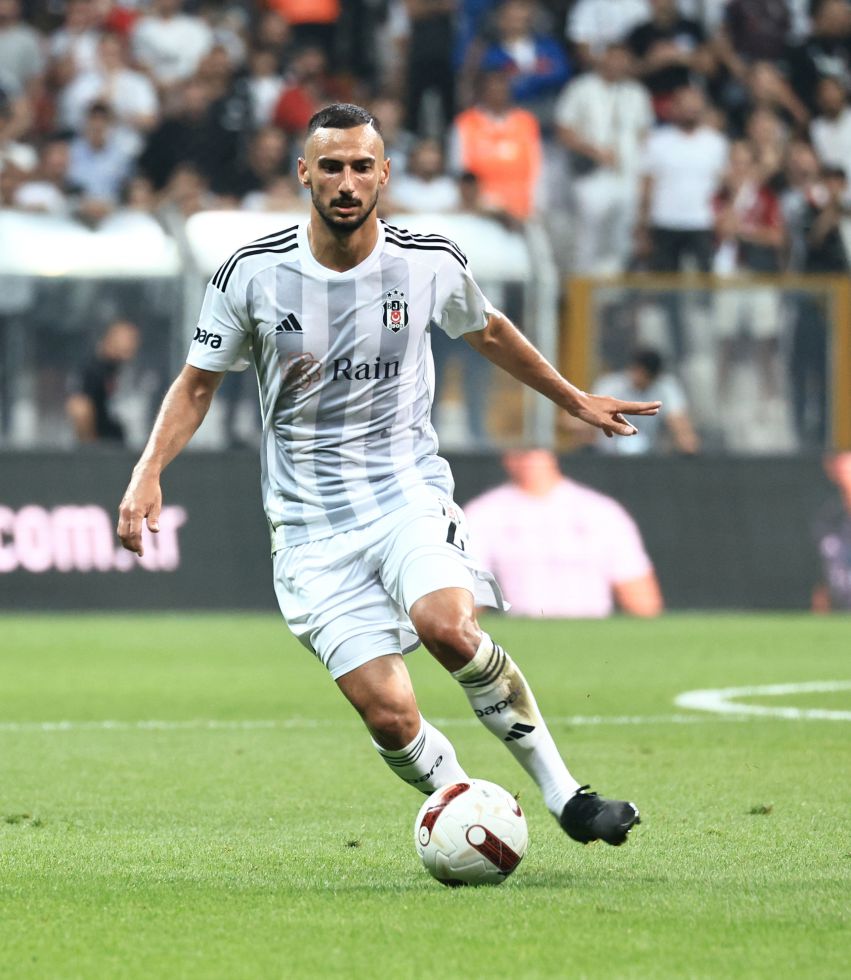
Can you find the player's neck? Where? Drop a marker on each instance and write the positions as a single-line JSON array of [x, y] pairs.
[[341, 252]]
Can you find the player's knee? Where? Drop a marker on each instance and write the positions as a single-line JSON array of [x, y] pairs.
[[393, 726], [452, 639]]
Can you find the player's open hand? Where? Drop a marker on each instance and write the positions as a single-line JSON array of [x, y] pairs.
[[142, 502], [608, 413]]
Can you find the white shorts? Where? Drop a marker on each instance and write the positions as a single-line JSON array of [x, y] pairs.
[[347, 597], [755, 311]]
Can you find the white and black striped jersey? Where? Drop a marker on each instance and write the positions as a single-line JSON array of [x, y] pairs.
[[345, 370]]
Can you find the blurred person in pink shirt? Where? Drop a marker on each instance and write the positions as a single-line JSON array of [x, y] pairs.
[[558, 548]]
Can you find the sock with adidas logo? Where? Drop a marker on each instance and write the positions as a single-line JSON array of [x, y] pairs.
[[505, 705]]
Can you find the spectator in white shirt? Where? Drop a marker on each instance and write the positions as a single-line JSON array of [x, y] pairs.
[[831, 130], [594, 24], [265, 84], [170, 44], [425, 187], [642, 379], [20, 45], [682, 169], [48, 190], [603, 118], [73, 48], [129, 94]]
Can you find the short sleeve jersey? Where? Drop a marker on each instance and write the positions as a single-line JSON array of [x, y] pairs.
[[345, 371]]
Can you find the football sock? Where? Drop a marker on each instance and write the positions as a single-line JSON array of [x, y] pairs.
[[427, 763], [505, 705]]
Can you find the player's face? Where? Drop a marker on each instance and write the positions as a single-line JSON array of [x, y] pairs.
[[345, 170]]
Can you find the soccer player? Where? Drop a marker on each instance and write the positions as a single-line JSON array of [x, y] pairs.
[[369, 551]]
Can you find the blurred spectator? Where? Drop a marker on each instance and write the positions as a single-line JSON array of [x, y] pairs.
[[21, 55], [831, 130], [16, 104], [807, 358], [195, 136], [48, 190], [536, 62], [311, 22], [90, 407], [306, 90], [768, 89], [558, 548], [501, 145], [398, 141], [603, 118], [430, 70], [826, 52], [425, 186], [273, 32], [99, 164], [73, 47], [750, 235], [670, 52], [825, 248], [138, 195], [14, 153], [169, 43], [768, 139], [265, 162], [265, 83], [644, 379], [833, 537], [682, 167], [186, 193], [592, 25], [12, 178], [129, 94], [752, 30], [470, 202]]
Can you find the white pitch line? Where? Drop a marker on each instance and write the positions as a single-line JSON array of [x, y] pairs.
[[254, 724], [719, 701]]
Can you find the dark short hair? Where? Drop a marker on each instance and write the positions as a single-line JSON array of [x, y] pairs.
[[342, 115], [648, 359]]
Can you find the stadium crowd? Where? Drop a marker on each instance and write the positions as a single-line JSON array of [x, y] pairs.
[[672, 130]]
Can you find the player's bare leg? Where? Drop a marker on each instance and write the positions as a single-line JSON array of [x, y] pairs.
[[445, 621], [381, 692]]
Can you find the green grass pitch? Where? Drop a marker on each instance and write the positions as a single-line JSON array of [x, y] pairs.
[[272, 842]]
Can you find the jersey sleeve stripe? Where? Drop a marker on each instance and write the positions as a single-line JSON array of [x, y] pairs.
[[427, 247], [256, 251], [412, 236], [224, 272], [275, 238]]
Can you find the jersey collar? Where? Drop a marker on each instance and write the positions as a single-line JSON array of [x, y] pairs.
[[309, 263]]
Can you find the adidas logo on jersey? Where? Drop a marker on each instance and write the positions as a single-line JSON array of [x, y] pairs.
[[289, 325]]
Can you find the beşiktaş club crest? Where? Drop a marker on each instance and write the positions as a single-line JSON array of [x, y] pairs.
[[395, 311]]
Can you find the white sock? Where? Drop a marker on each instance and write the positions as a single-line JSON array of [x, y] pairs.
[[505, 705], [427, 763]]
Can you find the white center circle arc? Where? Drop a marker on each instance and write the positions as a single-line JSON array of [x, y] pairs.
[[721, 700]]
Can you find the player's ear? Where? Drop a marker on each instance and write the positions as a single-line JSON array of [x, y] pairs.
[[385, 173], [303, 175]]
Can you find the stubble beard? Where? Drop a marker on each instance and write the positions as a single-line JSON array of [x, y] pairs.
[[338, 225]]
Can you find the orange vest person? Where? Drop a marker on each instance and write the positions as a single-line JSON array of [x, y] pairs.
[[307, 11], [501, 145]]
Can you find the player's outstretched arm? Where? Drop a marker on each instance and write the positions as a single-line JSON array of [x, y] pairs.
[[183, 410], [503, 344]]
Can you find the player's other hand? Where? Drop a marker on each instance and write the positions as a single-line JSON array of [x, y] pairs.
[[608, 413], [142, 502]]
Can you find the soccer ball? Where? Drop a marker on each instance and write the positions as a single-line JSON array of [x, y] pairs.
[[471, 834]]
